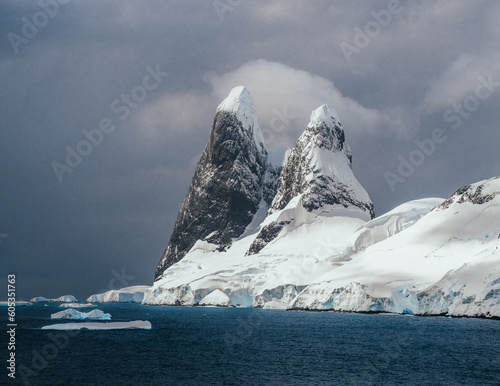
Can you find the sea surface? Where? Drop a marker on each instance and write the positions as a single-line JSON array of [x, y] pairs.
[[236, 346]]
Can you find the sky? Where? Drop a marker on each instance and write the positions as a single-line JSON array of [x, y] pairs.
[[106, 106]]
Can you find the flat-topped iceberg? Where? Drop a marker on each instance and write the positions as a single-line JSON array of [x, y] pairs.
[[65, 299], [39, 299], [133, 294], [76, 305], [62, 299], [137, 324], [70, 313]]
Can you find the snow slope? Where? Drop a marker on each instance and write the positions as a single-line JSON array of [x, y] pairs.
[[275, 276], [429, 257], [453, 248]]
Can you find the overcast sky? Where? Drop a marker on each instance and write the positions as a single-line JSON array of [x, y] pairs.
[[402, 76]]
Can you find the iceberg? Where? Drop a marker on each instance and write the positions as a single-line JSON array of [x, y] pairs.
[[134, 294], [62, 299], [65, 299], [135, 324], [39, 299], [76, 305], [70, 313]]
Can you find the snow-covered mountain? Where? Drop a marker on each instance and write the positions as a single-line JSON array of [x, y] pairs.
[[315, 244], [316, 180]]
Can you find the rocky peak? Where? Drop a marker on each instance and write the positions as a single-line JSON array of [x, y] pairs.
[[226, 188], [319, 168]]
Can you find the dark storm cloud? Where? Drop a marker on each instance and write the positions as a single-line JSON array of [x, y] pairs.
[[116, 209]]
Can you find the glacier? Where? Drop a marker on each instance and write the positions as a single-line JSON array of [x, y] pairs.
[[310, 241]]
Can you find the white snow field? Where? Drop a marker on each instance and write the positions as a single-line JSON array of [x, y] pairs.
[[70, 313], [429, 256], [135, 324], [132, 294]]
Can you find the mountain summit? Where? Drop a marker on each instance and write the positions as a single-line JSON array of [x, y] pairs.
[[316, 180], [319, 168]]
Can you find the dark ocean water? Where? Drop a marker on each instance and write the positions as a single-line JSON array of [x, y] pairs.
[[196, 346]]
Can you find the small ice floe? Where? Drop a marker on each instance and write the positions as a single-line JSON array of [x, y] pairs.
[[139, 324]]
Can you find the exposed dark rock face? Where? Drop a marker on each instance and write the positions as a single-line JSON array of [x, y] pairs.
[[225, 190], [266, 235], [469, 193], [276, 159], [270, 185]]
